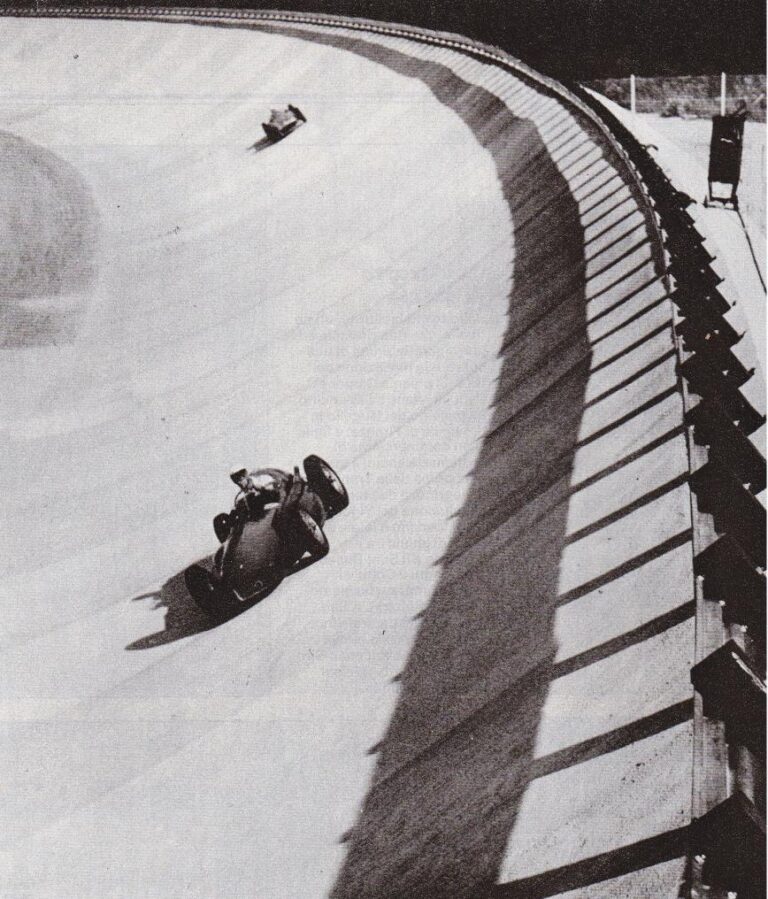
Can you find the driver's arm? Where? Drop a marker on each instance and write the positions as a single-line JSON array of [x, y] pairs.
[[294, 491], [247, 500], [306, 560]]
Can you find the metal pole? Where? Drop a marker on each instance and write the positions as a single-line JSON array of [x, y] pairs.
[[722, 93], [632, 96]]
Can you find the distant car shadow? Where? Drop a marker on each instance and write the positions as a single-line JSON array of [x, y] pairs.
[[261, 144]]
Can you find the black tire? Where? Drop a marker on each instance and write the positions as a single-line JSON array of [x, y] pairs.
[[217, 603], [312, 536], [272, 133], [324, 481], [222, 525]]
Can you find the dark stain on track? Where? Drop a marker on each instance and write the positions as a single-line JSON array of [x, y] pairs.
[[48, 264]]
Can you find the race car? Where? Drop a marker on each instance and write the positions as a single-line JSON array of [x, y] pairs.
[[282, 122], [274, 529]]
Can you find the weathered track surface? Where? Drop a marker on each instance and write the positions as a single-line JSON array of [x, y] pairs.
[[470, 271]]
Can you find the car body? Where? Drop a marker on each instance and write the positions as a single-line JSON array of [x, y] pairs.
[[263, 543], [282, 121]]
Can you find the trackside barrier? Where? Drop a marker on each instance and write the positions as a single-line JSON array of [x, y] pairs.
[[728, 832], [726, 838]]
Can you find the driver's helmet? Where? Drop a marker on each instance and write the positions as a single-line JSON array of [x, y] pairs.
[[280, 116], [238, 473], [263, 480]]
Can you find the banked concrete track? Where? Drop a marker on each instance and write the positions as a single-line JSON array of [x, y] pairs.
[[445, 284]]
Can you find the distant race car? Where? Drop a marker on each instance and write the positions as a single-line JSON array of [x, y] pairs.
[[270, 533], [282, 122]]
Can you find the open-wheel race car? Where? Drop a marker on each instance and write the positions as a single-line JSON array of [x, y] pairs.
[[282, 122], [274, 529]]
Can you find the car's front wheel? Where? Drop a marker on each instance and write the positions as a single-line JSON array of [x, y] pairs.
[[312, 536], [326, 484]]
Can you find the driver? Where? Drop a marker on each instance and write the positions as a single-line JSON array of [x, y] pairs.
[[259, 490], [256, 492]]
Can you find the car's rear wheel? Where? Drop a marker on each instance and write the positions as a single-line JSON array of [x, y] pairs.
[[326, 484], [312, 536]]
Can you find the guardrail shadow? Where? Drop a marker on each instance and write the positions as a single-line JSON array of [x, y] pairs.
[[454, 761], [458, 755]]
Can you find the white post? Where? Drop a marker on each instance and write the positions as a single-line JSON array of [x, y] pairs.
[[632, 96], [722, 93]]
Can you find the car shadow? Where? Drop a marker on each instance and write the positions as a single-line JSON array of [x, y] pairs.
[[182, 617], [261, 144]]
